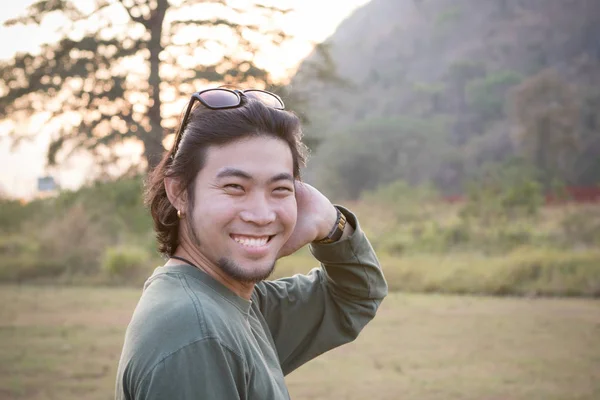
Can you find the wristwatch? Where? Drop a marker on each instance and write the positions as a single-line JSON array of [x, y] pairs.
[[336, 232]]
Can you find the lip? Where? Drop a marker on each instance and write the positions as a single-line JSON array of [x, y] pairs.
[[253, 251]]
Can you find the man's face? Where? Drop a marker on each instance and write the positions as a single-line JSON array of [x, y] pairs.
[[244, 206]]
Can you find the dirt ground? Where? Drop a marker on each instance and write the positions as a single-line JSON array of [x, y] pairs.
[[64, 343]]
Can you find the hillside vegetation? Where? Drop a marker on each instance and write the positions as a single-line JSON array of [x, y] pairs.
[[437, 91]]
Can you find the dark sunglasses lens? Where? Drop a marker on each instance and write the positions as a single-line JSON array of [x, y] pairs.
[[267, 98], [219, 98]]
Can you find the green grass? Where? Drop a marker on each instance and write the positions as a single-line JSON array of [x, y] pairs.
[[526, 272], [64, 343]]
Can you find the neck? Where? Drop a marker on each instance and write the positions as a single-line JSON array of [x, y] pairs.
[[243, 290]]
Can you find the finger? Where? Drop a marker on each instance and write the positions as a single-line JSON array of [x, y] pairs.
[[299, 187]]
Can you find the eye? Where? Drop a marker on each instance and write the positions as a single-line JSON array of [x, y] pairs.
[[234, 188], [283, 190]]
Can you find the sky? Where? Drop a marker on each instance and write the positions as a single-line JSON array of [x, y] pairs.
[[310, 21]]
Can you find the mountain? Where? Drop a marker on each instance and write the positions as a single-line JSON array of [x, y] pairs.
[[456, 69]]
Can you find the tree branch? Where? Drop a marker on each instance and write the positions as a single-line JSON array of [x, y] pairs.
[[37, 11], [209, 22], [196, 2], [273, 9], [139, 19]]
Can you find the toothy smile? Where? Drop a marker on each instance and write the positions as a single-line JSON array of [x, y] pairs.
[[251, 241]]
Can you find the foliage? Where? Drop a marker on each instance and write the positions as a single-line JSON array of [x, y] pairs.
[[427, 97], [102, 234], [376, 152], [406, 202], [484, 76], [530, 273], [486, 95], [124, 262], [66, 242], [503, 192], [20, 260], [120, 70], [523, 272], [68, 234], [581, 227], [450, 14], [547, 113], [12, 213]]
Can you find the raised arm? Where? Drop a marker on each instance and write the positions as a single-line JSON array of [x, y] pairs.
[[310, 314]]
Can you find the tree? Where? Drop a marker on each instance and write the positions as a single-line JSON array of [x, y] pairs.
[[427, 98], [459, 74], [587, 166], [487, 95], [379, 151], [121, 68], [545, 113], [457, 77]]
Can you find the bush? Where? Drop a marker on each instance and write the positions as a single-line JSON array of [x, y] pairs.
[[100, 235], [71, 239], [552, 273], [14, 245], [409, 203], [12, 215], [68, 243], [124, 262], [527, 272], [503, 192], [66, 236], [582, 227], [457, 234], [29, 267]]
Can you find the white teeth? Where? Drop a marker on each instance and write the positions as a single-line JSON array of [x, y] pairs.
[[251, 242]]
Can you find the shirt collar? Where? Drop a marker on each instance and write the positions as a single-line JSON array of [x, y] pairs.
[[242, 304]]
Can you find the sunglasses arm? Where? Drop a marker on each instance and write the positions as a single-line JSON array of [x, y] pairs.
[[183, 123]]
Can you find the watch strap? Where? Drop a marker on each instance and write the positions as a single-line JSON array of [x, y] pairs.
[[337, 231]]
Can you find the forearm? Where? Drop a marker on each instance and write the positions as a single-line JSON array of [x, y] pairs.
[[351, 263]]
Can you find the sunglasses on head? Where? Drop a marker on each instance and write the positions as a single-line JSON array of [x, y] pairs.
[[222, 98]]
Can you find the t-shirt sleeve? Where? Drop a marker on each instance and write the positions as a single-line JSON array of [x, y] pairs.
[[202, 370], [310, 314]]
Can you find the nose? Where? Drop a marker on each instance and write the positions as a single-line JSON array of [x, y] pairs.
[[258, 211]]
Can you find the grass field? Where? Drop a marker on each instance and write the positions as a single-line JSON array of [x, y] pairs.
[[64, 343]]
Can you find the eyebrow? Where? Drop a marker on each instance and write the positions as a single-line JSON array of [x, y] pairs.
[[229, 172], [238, 173]]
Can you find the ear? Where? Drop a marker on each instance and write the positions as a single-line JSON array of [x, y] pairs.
[[177, 197]]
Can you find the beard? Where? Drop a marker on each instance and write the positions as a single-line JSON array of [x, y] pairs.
[[231, 268], [236, 272]]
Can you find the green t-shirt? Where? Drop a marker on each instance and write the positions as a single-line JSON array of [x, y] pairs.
[[190, 337]]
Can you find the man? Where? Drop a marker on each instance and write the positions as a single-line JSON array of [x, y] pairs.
[[227, 202]]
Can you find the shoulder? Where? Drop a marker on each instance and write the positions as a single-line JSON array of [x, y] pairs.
[[174, 310], [167, 307], [176, 316]]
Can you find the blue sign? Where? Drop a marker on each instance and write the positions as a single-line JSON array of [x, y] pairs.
[[46, 184]]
